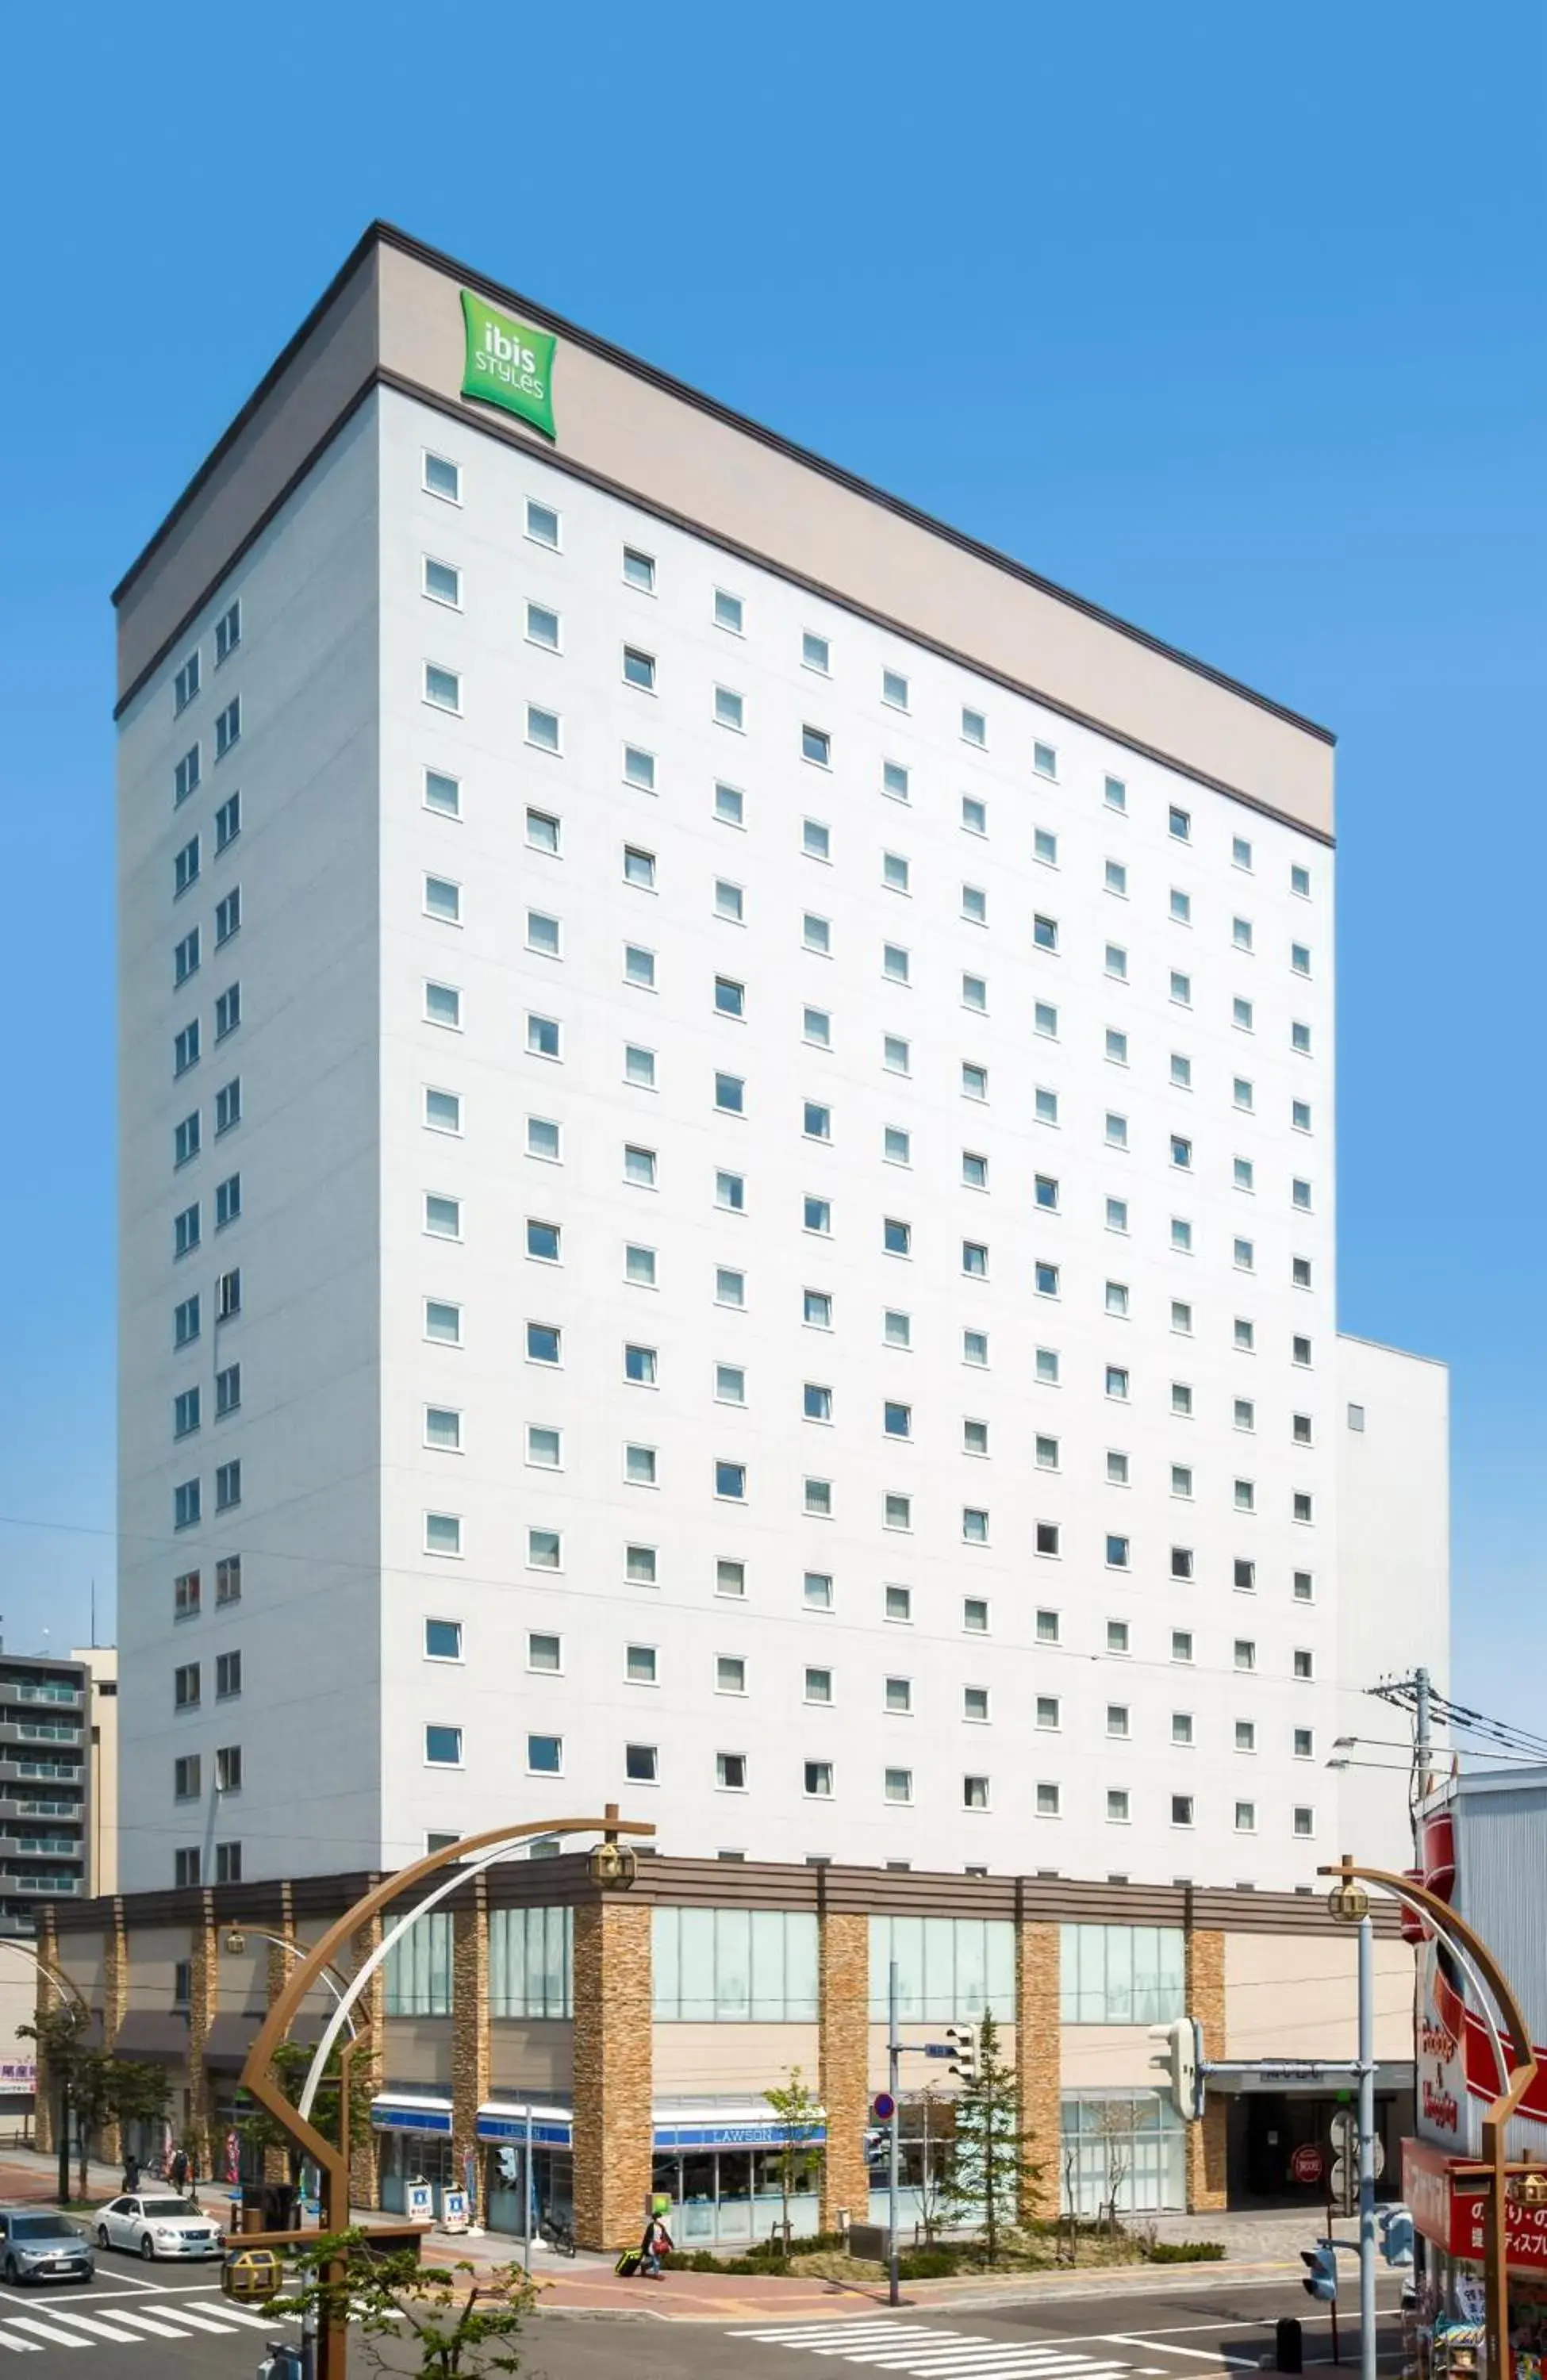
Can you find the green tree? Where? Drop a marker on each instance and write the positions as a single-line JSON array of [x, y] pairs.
[[991, 2169], [292, 2063], [453, 2332], [796, 2110], [98, 2089]]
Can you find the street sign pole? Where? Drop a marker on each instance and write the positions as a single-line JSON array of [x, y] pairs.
[[893, 2048], [1367, 2150]]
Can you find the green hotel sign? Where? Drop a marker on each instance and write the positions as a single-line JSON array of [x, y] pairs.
[[508, 363]]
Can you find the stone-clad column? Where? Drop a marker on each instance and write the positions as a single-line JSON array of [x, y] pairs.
[[115, 2008], [278, 1965], [844, 2015], [1039, 2061], [1205, 1999], [365, 2188], [46, 1999], [203, 2008], [613, 2024], [470, 2024]]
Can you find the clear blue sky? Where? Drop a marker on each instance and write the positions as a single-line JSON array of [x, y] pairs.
[[1231, 319]]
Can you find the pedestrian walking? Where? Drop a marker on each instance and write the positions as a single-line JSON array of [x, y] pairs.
[[131, 2173], [656, 2243], [181, 2172]]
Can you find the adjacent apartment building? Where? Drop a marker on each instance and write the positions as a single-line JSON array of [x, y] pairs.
[[727, 1165]]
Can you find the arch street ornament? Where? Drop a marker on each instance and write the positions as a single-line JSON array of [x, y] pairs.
[[1516, 2065], [611, 1867]]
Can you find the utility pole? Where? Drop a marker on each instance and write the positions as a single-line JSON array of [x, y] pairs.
[[1421, 1739], [1366, 2148], [894, 2048]]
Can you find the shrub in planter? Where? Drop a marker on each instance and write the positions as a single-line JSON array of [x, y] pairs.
[[1186, 2252]]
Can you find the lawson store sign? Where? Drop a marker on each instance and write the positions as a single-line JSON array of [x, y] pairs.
[[502, 2123]]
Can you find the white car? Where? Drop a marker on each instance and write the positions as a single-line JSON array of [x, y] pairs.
[[156, 2227]]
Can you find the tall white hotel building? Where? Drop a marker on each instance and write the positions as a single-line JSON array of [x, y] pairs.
[[727, 1165]]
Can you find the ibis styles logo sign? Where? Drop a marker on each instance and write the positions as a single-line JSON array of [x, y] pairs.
[[508, 364]]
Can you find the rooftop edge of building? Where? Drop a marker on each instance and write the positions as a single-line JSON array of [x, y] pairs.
[[391, 319]]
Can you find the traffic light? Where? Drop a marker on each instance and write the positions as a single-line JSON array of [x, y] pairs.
[[1320, 2274], [1181, 2060], [1396, 2234], [964, 2065], [878, 2144]]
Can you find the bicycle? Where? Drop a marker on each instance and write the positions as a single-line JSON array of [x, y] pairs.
[[555, 2234]]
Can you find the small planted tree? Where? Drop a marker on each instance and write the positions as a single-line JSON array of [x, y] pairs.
[[292, 2063], [796, 2110], [96, 2088], [440, 2328], [990, 2168]]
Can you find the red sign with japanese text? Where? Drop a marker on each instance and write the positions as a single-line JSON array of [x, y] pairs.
[[1453, 2218]]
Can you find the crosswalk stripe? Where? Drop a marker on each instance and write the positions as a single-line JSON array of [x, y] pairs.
[[95, 2325], [201, 2320], [801, 2334], [962, 2340], [57, 2337], [981, 2353], [20, 2346], [147, 2322], [256, 2320]]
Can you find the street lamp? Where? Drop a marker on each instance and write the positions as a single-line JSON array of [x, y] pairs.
[[470, 1857], [1517, 2070]]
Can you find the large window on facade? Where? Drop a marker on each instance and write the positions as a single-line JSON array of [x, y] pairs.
[[1123, 2148], [946, 1967], [418, 1968], [531, 1957], [1121, 1974], [735, 1966]]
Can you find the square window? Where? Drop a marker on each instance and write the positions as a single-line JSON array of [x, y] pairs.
[[896, 1329], [816, 840], [1179, 825], [730, 1287], [442, 1428], [974, 1082], [1181, 907], [1115, 794], [730, 709], [639, 1167], [544, 1447], [816, 933], [974, 1260], [974, 904], [443, 1747], [730, 1193], [974, 1347], [815, 652], [730, 1482], [443, 688], [1118, 879], [1181, 994], [1044, 932], [730, 1095], [816, 745], [896, 1511], [818, 1309], [1117, 1468], [894, 688], [897, 1419], [816, 1403], [544, 1549], [638, 1266], [816, 1591], [1116, 962], [730, 1578], [974, 815], [895, 962], [974, 1171], [443, 1533], [894, 781], [442, 1217]]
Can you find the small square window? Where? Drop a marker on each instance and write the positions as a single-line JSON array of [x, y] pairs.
[[639, 1067], [730, 1287], [1181, 907], [1118, 879], [974, 904], [894, 781], [815, 652], [898, 1603], [639, 966], [974, 1347], [894, 690], [816, 840], [816, 1027], [816, 745], [730, 1578], [816, 934], [730, 1482], [730, 709], [896, 1146], [974, 1525], [974, 815], [730, 807], [896, 1511], [1179, 825], [1116, 962], [638, 1266], [974, 726]]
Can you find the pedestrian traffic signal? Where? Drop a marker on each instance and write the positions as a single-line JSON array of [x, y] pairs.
[[1396, 2234], [1320, 2275]]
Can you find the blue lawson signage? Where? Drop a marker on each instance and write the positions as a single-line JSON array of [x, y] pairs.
[[388, 2118], [546, 2134], [731, 2136], [554, 2134]]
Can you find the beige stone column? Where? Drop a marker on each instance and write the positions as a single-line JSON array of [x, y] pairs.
[[277, 1967], [1205, 2001], [470, 2024], [203, 2008], [1039, 2061], [613, 2027], [844, 2016], [115, 2008], [365, 2183], [46, 1999]]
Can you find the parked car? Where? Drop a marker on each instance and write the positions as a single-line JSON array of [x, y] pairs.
[[160, 2226], [38, 2246]]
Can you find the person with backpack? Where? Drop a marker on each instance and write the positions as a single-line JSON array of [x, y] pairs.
[[181, 2172], [656, 2243]]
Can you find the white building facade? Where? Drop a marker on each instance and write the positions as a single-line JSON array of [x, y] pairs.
[[727, 1167]]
